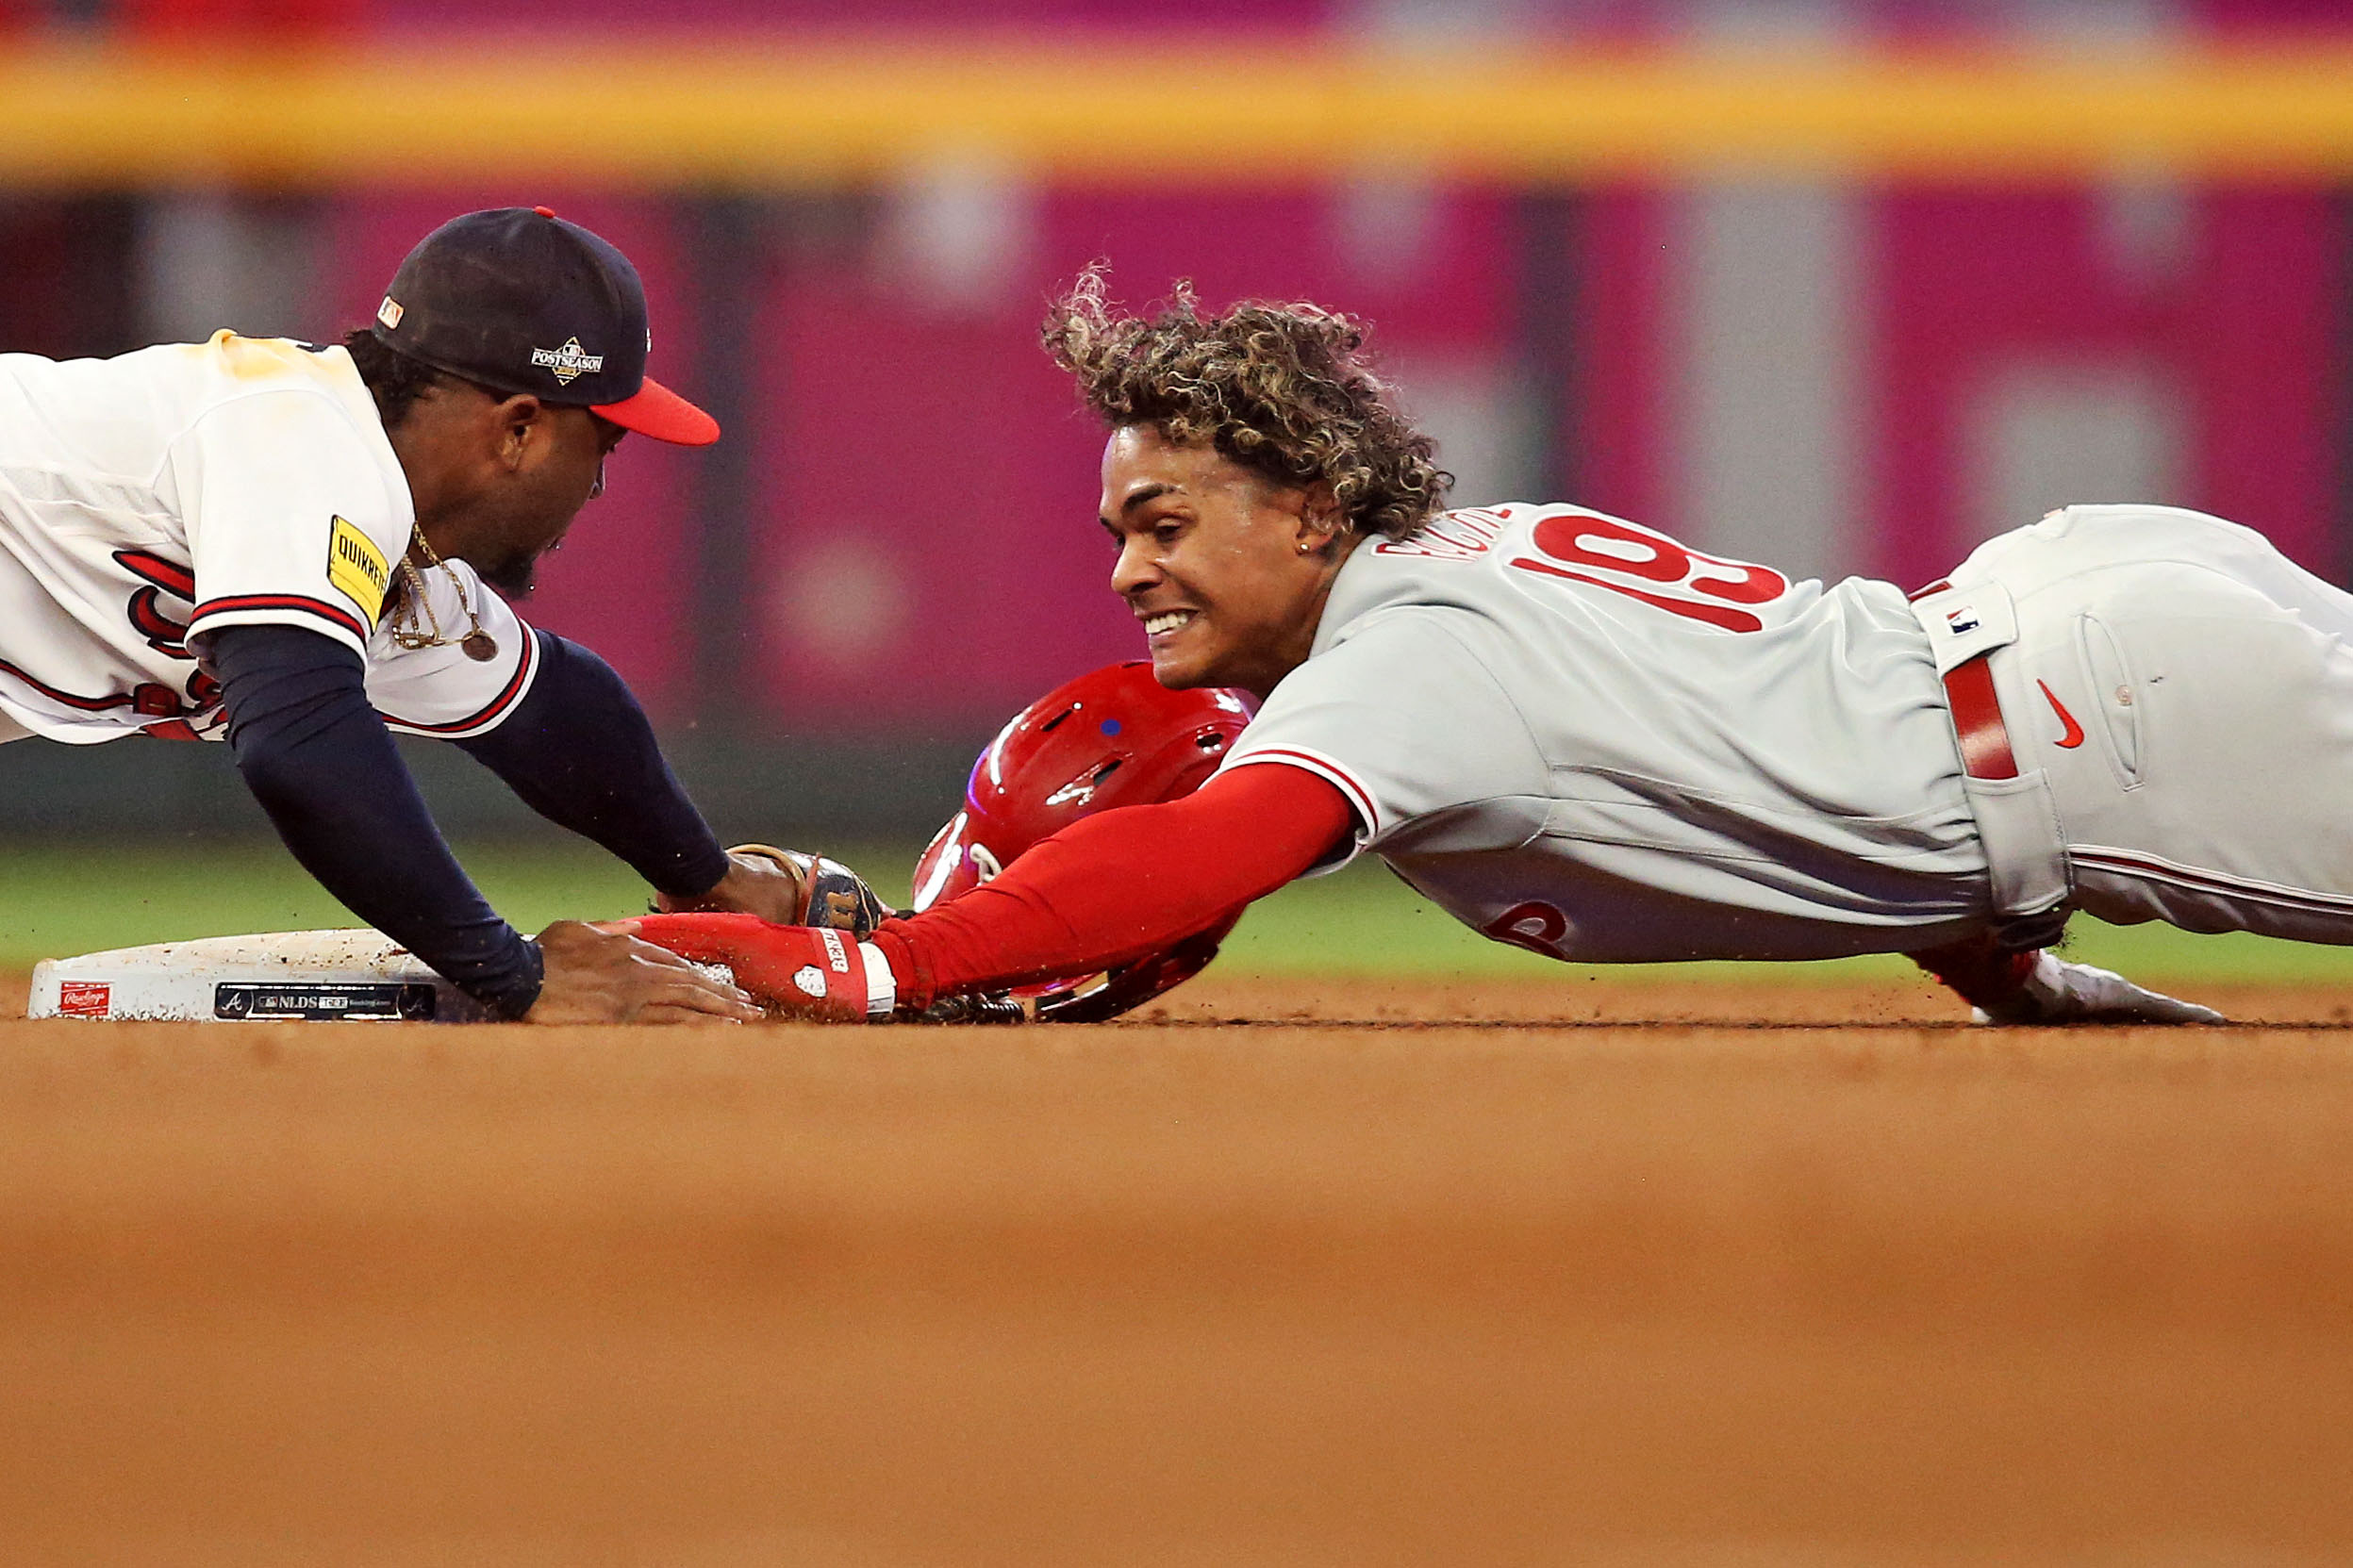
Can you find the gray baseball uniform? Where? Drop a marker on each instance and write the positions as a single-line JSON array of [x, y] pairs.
[[1581, 736], [2187, 693]]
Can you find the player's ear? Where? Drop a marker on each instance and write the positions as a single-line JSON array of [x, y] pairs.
[[1320, 519], [518, 421]]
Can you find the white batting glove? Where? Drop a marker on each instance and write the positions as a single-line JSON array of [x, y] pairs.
[[2057, 992]]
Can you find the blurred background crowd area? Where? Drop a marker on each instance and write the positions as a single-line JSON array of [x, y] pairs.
[[1845, 286]]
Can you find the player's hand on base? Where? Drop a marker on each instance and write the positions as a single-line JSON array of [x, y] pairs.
[[2053, 991], [2037, 987], [598, 974], [788, 888], [810, 972]]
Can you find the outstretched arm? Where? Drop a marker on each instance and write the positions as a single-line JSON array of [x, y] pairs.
[[579, 750], [1107, 890], [323, 766], [1116, 886]]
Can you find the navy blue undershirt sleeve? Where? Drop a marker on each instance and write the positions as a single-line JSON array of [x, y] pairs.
[[579, 752], [323, 766]]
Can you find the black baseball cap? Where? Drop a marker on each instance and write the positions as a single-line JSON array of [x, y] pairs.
[[520, 301]]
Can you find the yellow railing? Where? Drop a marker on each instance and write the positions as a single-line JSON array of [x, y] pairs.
[[776, 112]]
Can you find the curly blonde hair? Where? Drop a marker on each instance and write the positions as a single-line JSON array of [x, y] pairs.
[[1280, 388]]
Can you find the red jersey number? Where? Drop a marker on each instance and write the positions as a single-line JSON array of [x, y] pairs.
[[1652, 567]]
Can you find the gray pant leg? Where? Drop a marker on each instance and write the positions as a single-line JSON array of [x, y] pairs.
[[2190, 692]]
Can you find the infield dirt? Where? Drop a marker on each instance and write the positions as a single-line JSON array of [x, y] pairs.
[[1788, 1275]]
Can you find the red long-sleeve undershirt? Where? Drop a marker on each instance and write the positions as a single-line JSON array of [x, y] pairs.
[[1119, 885]]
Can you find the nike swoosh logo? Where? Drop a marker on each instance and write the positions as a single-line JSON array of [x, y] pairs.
[[2074, 735]]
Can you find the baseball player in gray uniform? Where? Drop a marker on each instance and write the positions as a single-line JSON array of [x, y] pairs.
[[1581, 737]]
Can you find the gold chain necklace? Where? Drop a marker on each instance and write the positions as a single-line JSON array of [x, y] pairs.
[[477, 644]]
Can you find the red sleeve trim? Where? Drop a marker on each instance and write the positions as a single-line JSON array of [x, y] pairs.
[[1359, 797], [66, 698], [343, 619], [498, 706]]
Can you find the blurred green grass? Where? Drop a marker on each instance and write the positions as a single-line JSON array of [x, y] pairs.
[[62, 899]]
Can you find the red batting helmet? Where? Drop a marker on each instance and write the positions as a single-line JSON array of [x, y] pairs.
[[1113, 737]]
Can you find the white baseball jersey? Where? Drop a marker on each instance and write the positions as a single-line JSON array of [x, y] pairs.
[[151, 497], [1581, 736]]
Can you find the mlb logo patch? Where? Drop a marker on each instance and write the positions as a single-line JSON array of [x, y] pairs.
[[84, 999]]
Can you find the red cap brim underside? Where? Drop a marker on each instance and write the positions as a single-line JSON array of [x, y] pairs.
[[658, 412]]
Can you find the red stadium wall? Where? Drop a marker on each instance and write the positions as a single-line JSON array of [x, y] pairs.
[[917, 549], [2241, 328], [924, 550]]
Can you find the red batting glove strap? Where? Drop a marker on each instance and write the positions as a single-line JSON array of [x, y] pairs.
[[795, 972]]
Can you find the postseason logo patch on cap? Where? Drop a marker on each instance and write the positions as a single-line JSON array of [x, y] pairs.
[[389, 313], [569, 362]]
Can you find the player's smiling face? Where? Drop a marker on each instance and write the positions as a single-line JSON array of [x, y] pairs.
[[1226, 569]]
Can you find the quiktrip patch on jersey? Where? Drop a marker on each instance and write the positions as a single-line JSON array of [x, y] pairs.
[[357, 566]]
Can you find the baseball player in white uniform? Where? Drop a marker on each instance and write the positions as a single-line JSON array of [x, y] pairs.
[[117, 472], [1581, 736], [285, 546]]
